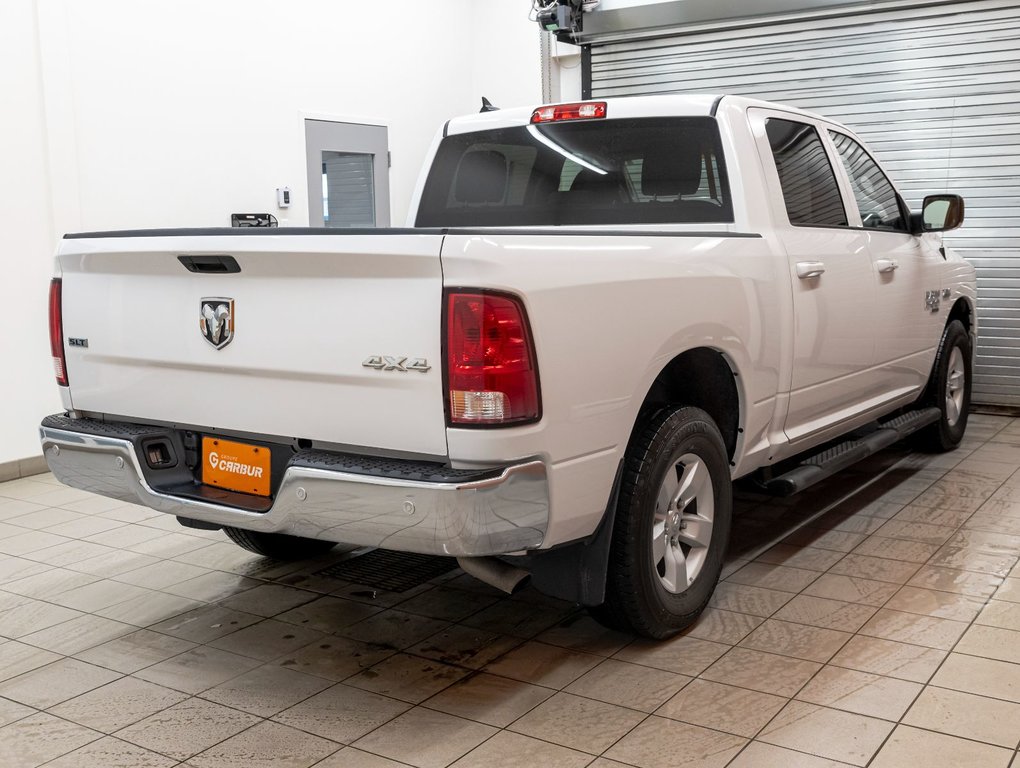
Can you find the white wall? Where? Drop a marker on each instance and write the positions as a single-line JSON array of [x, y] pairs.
[[181, 113], [566, 72], [27, 387], [129, 114], [505, 54]]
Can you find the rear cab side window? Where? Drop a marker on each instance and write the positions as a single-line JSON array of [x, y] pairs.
[[809, 185], [876, 198]]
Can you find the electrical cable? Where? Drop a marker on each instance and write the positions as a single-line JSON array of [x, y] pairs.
[[537, 6]]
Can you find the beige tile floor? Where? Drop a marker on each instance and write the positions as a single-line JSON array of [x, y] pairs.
[[873, 621]]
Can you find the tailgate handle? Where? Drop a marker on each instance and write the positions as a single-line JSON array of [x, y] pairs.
[[210, 265]]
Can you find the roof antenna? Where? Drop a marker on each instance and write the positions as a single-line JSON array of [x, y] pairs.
[[487, 106]]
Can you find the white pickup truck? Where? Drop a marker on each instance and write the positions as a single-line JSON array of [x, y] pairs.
[[599, 316]]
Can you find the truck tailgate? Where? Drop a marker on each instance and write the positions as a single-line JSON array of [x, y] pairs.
[[307, 312]]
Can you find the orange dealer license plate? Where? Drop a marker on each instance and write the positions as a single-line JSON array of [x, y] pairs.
[[235, 466]]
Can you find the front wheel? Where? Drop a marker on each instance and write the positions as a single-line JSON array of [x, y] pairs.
[[672, 525], [949, 391]]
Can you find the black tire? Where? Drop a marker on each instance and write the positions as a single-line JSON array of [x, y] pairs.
[[946, 433], [278, 546], [674, 440]]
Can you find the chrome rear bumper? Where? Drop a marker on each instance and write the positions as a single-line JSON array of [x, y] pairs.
[[506, 512]]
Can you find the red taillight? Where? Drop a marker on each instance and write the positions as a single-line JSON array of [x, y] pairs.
[[57, 333], [583, 110], [491, 372]]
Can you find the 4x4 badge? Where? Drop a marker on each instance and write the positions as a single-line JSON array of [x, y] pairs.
[[216, 320], [397, 363]]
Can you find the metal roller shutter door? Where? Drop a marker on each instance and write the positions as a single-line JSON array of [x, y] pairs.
[[935, 90]]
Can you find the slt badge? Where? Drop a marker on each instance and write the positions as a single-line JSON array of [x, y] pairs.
[[216, 320]]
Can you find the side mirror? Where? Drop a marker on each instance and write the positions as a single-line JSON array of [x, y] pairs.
[[940, 213]]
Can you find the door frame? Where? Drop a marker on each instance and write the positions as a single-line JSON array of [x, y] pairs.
[[363, 137]]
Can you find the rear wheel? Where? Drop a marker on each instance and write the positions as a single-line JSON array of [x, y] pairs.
[[672, 525], [279, 546], [949, 391]]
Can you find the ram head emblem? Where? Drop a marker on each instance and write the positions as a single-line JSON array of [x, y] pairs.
[[216, 320]]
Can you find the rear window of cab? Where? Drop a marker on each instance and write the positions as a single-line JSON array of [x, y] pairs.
[[626, 171]]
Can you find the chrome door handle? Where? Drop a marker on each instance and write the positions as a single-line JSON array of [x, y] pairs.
[[809, 269], [887, 265]]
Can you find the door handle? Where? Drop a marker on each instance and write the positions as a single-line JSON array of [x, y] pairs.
[[809, 269], [887, 265]]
